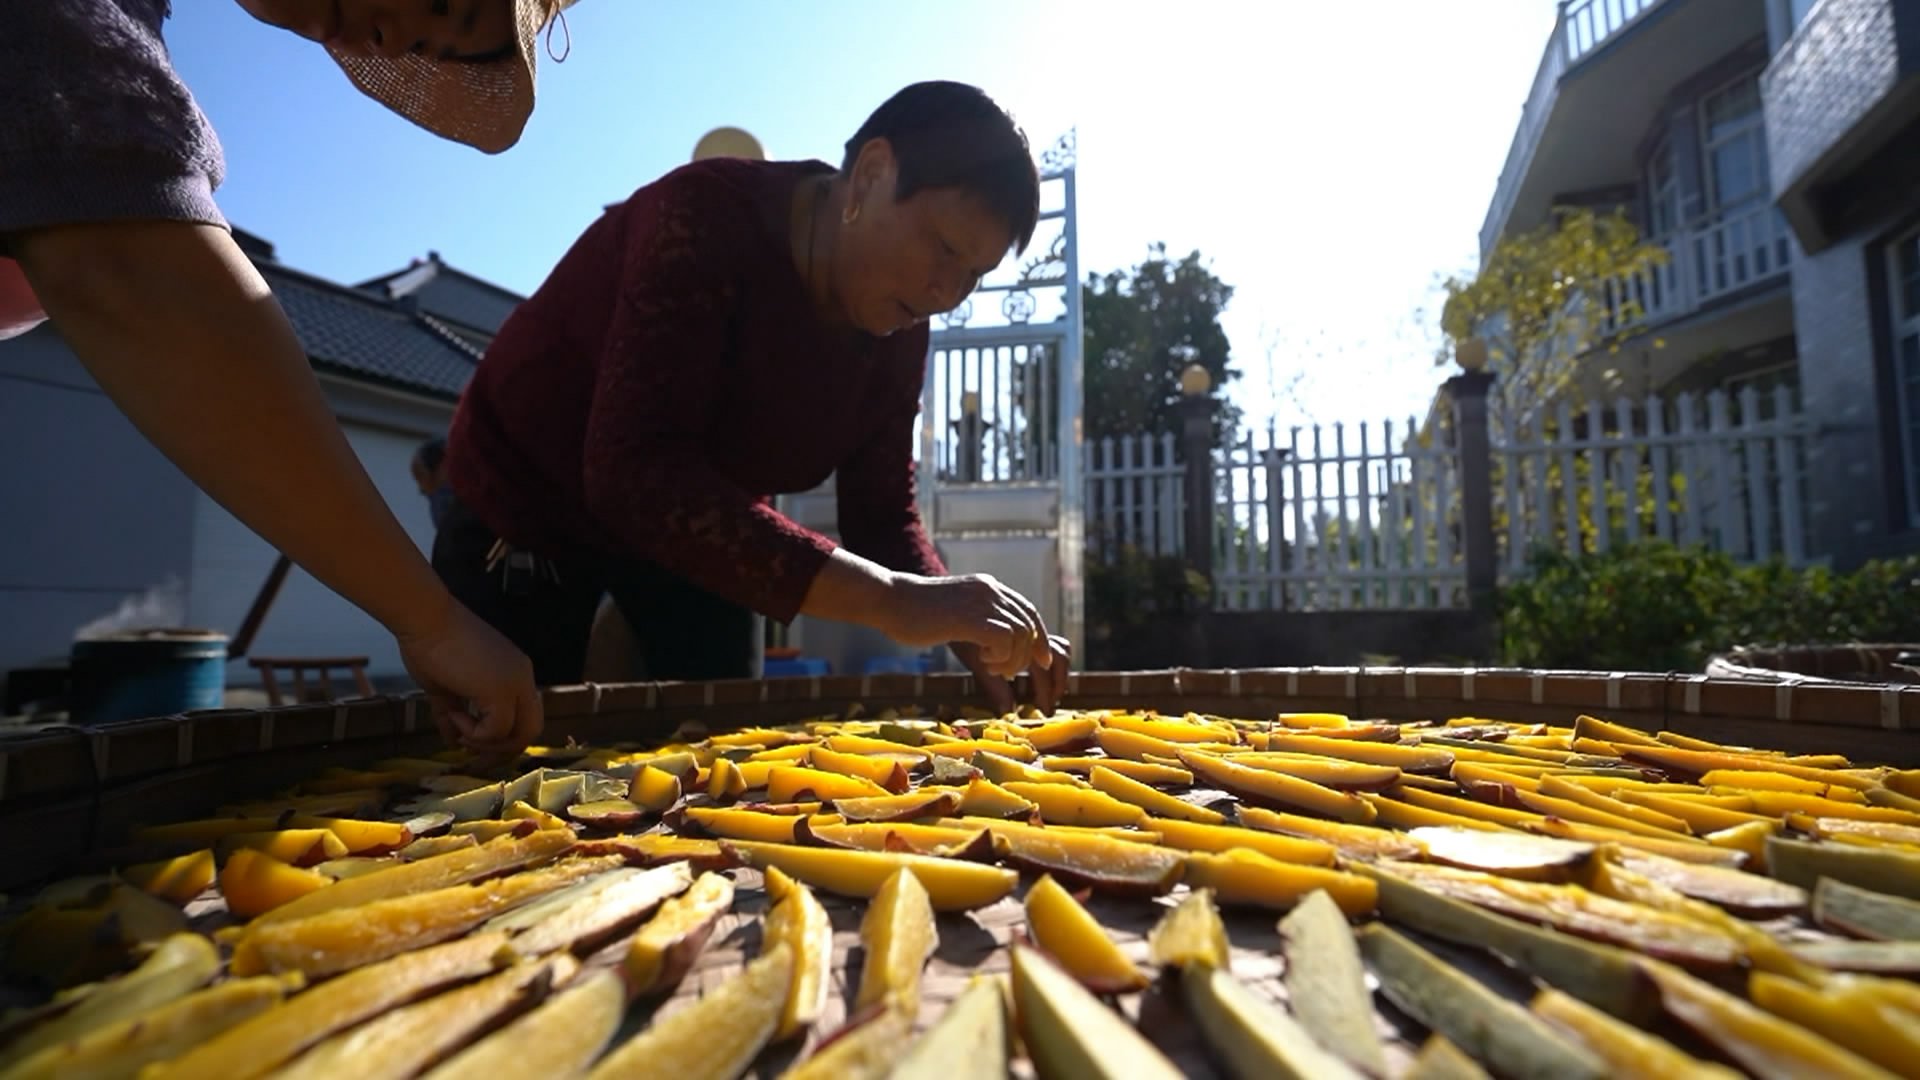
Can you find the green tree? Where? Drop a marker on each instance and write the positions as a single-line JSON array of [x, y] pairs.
[[1546, 300], [1143, 327]]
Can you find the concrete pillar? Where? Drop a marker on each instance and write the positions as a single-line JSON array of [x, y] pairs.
[[1196, 450], [1469, 393]]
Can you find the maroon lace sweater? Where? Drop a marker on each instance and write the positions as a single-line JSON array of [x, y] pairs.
[[670, 376]]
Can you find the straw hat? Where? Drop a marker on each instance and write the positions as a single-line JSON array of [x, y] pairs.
[[485, 105]]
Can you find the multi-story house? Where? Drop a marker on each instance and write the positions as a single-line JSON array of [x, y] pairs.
[[1772, 148]]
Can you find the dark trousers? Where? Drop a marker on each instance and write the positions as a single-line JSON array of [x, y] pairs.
[[685, 632]]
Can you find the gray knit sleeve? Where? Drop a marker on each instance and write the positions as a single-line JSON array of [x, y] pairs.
[[94, 123]]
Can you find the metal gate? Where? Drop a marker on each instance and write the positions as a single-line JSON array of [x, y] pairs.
[[999, 437]]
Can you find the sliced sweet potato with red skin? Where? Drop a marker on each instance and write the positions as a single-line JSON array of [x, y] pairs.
[[1523, 856], [1747, 895], [925, 803], [666, 947], [700, 855], [611, 815], [1091, 860]]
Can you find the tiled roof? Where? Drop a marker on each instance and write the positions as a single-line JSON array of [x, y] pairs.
[[450, 293], [355, 333]]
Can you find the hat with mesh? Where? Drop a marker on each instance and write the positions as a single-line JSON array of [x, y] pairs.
[[482, 104]]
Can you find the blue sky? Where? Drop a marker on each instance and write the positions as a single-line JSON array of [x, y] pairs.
[[1329, 158]]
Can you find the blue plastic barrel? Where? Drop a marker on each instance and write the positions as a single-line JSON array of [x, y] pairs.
[[149, 673]]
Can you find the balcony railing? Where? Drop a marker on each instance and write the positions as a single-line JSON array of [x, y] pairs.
[[1582, 27], [1741, 250]]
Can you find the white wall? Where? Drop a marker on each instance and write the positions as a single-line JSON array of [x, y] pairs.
[[230, 562]]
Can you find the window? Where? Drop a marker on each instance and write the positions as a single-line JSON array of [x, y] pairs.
[[1733, 141], [1797, 12], [1903, 289], [1663, 191]]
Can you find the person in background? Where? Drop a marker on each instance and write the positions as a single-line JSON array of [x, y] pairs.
[[430, 476], [108, 227], [735, 330]]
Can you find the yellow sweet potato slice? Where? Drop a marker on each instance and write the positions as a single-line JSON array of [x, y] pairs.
[[951, 885], [714, 1038], [258, 1045], [401, 1043], [1077, 942], [1005, 770], [1509, 1039], [1748, 895], [347, 938], [792, 783], [560, 1037], [1326, 983], [897, 935], [1062, 736], [1887, 1036], [1307, 721], [1498, 815], [1353, 841], [1149, 800], [1069, 1033], [1762, 1043], [866, 1049], [179, 965], [1625, 1048], [1327, 772], [124, 1047], [255, 883], [1762, 780], [1571, 810], [1414, 759], [1575, 910], [1133, 746], [1090, 859], [666, 947], [487, 831], [1523, 856], [178, 879], [1559, 787], [1439, 1059], [1687, 850], [984, 798], [1592, 727], [543, 819], [1884, 870], [1273, 790], [884, 772], [585, 914], [736, 824], [848, 743], [1402, 815], [798, 922], [655, 789], [1253, 1037], [872, 836], [1243, 876], [1191, 935], [1176, 731], [969, 1041], [360, 837], [726, 782], [925, 803], [1781, 803], [438, 872], [1196, 836], [1059, 804], [1696, 763], [1144, 772], [433, 846], [295, 847]]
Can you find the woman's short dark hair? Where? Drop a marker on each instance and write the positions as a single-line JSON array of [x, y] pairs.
[[431, 453], [951, 135]]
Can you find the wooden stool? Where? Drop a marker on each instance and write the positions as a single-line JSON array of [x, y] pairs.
[[300, 667]]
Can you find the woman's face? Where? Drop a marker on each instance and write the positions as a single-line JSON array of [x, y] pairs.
[[442, 29], [904, 261]]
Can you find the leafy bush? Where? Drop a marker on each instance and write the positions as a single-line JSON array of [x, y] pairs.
[[1136, 587], [1657, 607]]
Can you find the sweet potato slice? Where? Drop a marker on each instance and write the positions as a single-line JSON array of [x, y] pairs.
[[360, 837], [588, 913], [1626, 1048], [1059, 804], [1849, 909], [1194, 836], [260, 1044], [984, 798], [1144, 772], [1748, 895], [1069, 1033], [254, 883], [1759, 1042], [180, 964], [1005, 770], [1353, 841], [1404, 815], [347, 938], [1511, 1040], [1252, 1037], [737, 824], [1781, 803], [655, 789], [178, 879], [295, 847], [1886, 1036], [1077, 942], [1439, 1059], [1591, 727], [1559, 787], [1326, 983], [968, 1042], [925, 803], [1524, 856], [666, 947], [127, 1045], [714, 1038], [1677, 848], [1802, 863], [897, 934], [1063, 736], [560, 1037], [1149, 800], [1091, 860], [885, 772], [405, 1041], [865, 1049], [1243, 876], [951, 885], [792, 783], [609, 815], [1415, 759], [798, 922], [1262, 787], [1676, 761], [439, 872], [1327, 772], [1187, 730]]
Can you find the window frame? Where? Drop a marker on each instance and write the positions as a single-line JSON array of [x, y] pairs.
[[1902, 324], [1755, 125]]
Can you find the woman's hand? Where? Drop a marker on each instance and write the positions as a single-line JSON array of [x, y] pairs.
[[1049, 682], [479, 687]]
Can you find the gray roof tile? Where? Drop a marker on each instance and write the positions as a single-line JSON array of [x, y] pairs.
[[358, 334]]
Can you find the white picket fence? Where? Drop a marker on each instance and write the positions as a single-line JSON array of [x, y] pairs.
[[1369, 516]]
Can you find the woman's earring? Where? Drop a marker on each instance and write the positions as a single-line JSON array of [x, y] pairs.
[[851, 214]]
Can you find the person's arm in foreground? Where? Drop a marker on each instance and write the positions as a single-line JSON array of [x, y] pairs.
[[650, 483], [182, 333], [880, 519]]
